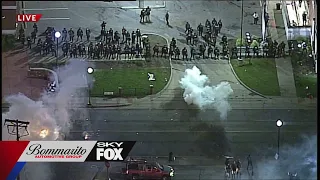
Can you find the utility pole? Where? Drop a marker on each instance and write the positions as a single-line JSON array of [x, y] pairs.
[[16, 125], [241, 31]]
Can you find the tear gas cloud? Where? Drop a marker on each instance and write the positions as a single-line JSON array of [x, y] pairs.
[[51, 113], [300, 159], [197, 91]]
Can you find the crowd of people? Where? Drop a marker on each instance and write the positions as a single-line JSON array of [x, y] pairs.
[[108, 44], [205, 47], [268, 48]]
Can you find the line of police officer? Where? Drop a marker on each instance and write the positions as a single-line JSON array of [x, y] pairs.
[[268, 49], [210, 35]]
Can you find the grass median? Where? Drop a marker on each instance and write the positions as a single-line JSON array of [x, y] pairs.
[[134, 82], [260, 76], [132, 75]]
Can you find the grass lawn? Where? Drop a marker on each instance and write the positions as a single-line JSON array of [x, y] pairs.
[[302, 82], [261, 76], [134, 81]]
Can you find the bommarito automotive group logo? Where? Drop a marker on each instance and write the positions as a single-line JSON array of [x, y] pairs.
[[38, 152], [76, 151]]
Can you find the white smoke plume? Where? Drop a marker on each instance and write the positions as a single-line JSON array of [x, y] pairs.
[[197, 91], [300, 159], [51, 114]]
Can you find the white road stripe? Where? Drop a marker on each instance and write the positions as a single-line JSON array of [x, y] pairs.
[[54, 19], [45, 9], [170, 131], [43, 59]]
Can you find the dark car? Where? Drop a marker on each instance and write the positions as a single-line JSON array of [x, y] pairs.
[[147, 170]]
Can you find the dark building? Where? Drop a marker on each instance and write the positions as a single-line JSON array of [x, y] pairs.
[[9, 12]]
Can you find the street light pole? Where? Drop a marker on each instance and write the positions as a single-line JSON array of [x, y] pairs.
[[16, 124], [241, 30], [57, 35], [89, 71], [279, 124]]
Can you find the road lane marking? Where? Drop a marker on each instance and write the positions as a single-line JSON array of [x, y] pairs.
[[54, 19], [172, 131], [45, 9]]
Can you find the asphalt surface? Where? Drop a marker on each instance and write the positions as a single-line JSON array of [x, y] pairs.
[[187, 132], [182, 132]]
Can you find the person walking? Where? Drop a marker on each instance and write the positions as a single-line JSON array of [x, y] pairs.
[[250, 166], [255, 18], [167, 18]]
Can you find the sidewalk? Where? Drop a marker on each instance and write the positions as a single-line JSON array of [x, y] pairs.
[[284, 66]]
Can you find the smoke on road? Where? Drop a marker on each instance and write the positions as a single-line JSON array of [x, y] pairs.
[[52, 113], [197, 91], [300, 159]]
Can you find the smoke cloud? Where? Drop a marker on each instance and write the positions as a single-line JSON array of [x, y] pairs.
[[197, 91], [300, 159], [52, 112]]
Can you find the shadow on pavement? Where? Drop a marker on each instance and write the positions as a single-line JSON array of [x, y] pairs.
[[212, 139]]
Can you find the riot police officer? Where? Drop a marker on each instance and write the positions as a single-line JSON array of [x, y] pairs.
[[164, 51], [156, 50], [216, 53], [200, 29], [133, 37], [187, 27], [176, 53], [117, 37], [219, 25], [111, 33], [214, 21], [247, 51], [90, 50], [103, 25], [173, 42], [74, 51], [35, 28], [126, 51], [210, 52], [29, 42], [128, 38], [33, 36], [118, 55], [71, 35], [138, 36], [193, 52], [224, 39], [171, 52], [189, 38], [234, 52], [194, 38], [65, 49], [88, 32], [133, 51], [64, 34], [202, 50], [79, 34], [225, 50], [138, 49], [23, 39], [124, 33], [184, 53]]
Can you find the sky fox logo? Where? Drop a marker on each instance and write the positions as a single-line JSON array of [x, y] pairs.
[[110, 151]]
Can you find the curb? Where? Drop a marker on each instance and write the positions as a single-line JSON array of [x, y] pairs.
[[243, 84], [110, 105], [153, 7], [171, 69]]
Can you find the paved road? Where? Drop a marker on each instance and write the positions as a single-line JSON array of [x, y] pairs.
[[159, 132]]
